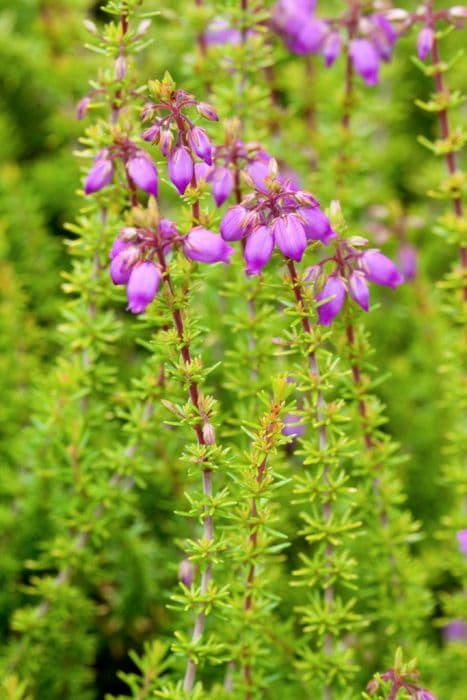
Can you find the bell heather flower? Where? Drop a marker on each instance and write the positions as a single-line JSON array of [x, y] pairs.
[[143, 172], [222, 185], [316, 225], [142, 286], [205, 246], [293, 425], [462, 540], [180, 167], [101, 173], [365, 60], [275, 209], [408, 261], [301, 32], [380, 269], [425, 42], [331, 48], [358, 289], [200, 144], [258, 249], [383, 36], [334, 291]]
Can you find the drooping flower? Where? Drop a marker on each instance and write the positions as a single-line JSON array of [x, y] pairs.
[[219, 32], [205, 246], [200, 143], [316, 224], [380, 269], [425, 41], [289, 236], [180, 168], [358, 289], [334, 292], [120, 269], [232, 228], [365, 60], [258, 249], [383, 36], [143, 172], [100, 174], [331, 48], [143, 285], [222, 185]]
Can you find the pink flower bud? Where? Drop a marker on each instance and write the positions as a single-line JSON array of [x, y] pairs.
[[120, 269], [100, 174], [289, 236], [365, 60], [425, 42], [331, 48], [462, 540], [207, 111], [82, 107], [180, 167], [200, 143], [222, 185], [120, 67], [142, 286], [293, 425], [152, 134], [358, 289], [143, 172], [334, 292], [232, 226], [258, 249], [316, 224], [408, 261], [380, 269], [166, 141], [186, 572], [205, 246]]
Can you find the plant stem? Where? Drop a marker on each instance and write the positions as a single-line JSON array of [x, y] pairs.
[[208, 523], [322, 443]]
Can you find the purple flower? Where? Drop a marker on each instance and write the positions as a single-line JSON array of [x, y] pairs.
[[220, 32], [259, 171], [365, 60], [231, 225], [358, 289], [309, 38], [331, 48], [186, 572], [82, 107], [120, 268], [408, 261], [166, 141], [222, 185], [100, 174], [455, 631], [207, 111], [380, 269], [203, 171], [143, 172], [152, 133], [180, 167], [290, 237], [200, 143], [118, 245], [142, 286], [334, 291], [317, 225], [384, 37], [205, 246], [258, 249], [462, 540], [293, 425], [301, 31], [425, 42]]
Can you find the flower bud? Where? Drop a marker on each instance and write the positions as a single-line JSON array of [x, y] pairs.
[[316, 224], [365, 60], [180, 167], [90, 26], [425, 42], [143, 27], [222, 185], [100, 174], [118, 245], [82, 107], [334, 292], [120, 67], [209, 434], [232, 225], [152, 134], [258, 249], [407, 261], [166, 141], [289, 236], [358, 289], [120, 268], [143, 172], [331, 48], [205, 246], [186, 572], [380, 269], [200, 144], [142, 286], [293, 425], [207, 111]]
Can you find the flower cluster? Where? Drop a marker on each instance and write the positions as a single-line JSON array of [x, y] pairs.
[[139, 169], [138, 255], [180, 140], [278, 214], [352, 270], [370, 39]]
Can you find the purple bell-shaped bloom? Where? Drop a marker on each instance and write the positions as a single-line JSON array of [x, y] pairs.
[[118, 246], [205, 246], [293, 425], [365, 60], [331, 48], [408, 261], [258, 249], [384, 37], [380, 269], [143, 172], [309, 38], [142, 286], [200, 143], [152, 133], [425, 41], [289, 236], [180, 168], [358, 289], [231, 227], [259, 171], [462, 540], [100, 174], [166, 142], [120, 268], [222, 185], [203, 171], [316, 224], [334, 291]]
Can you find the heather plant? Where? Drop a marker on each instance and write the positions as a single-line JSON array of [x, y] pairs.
[[233, 440]]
